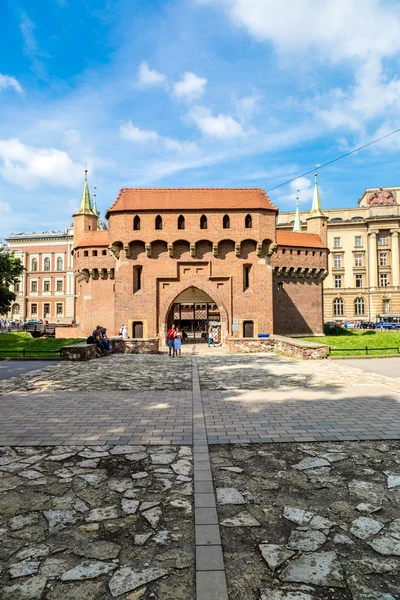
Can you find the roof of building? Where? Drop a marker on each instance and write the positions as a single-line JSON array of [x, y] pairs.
[[93, 238], [158, 199], [302, 240], [39, 235]]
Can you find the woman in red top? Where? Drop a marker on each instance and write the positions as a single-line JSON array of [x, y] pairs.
[[170, 339]]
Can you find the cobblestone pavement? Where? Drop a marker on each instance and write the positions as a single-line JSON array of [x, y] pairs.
[[95, 523], [310, 521]]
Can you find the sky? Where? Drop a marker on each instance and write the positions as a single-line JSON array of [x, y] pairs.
[[193, 93]]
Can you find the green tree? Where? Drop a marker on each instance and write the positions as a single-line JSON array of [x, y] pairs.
[[11, 269]]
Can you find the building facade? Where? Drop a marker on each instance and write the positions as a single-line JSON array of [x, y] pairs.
[[46, 289], [198, 257], [364, 265]]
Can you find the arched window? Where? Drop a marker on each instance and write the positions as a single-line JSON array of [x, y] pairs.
[[181, 222], [46, 264], [226, 222], [359, 306], [338, 308], [15, 309], [34, 265], [248, 222], [59, 263], [136, 223], [158, 222], [203, 222]]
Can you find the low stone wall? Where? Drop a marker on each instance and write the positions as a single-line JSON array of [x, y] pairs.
[[81, 351], [69, 332], [135, 346], [278, 343]]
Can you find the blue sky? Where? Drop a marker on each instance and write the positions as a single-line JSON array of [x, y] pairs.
[[202, 93]]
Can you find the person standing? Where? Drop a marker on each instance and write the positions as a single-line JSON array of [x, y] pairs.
[[210, 336], [124, 332], [178, 342], [170, 339]]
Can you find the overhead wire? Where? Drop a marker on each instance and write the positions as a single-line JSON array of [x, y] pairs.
[[334, 160]]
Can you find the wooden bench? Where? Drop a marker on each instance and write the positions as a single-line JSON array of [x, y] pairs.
[[81, 351]]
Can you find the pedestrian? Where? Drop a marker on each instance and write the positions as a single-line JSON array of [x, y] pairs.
[[170, 339], [105, 339], [210, 336], [178, 342], [124, 332]]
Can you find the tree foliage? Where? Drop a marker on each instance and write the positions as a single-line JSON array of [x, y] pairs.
[[11, 269]]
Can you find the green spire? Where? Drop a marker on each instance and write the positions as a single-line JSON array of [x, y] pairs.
[[86, 206], [94, 205], [316, 210], [297, 220]]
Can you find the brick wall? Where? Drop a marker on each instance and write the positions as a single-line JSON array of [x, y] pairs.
[[297, 306]]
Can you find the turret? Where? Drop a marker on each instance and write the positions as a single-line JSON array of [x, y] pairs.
[[317, 220], [85, 219], [297, 220]]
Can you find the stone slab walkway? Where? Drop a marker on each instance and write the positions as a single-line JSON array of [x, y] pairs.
[[281, 521]]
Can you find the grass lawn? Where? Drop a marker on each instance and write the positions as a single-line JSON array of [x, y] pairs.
[[375, 340], [39, 347]]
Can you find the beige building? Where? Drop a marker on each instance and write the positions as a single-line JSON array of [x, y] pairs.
[[46, 289], [364, 270]]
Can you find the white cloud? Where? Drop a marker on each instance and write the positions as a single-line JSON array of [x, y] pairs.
[[246, 107], [221, 126], [190, 86], [30, 167], [31, 47], [10, 82], [128, 131], [301, 187], [336, 28], [149, 77]]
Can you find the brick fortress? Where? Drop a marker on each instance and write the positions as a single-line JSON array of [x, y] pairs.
[[197, 257]]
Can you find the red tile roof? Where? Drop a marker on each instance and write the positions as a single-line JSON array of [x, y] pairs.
[[93, 238], [137, 199], [302, 240]]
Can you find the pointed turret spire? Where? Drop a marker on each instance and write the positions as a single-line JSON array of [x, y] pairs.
[[94, 206], [86, 206], [297, 220], [316, 210]]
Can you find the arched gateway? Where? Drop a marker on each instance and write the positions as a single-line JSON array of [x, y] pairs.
[[194, 311]]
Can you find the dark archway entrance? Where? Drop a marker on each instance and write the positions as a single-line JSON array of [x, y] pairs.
[[194, 312]]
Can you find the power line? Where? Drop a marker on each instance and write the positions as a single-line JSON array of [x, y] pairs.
[[334, 160]]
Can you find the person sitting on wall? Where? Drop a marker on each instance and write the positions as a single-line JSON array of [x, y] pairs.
[[96, 338], [104, 339]]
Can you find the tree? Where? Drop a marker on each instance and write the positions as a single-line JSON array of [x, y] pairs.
[[11, 269]]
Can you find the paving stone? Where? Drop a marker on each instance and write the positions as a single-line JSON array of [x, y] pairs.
[[311, 463], [285, 595], [101, 550], [102, 513], [60, 519], [209, 558], [230, 496], [386, 545], [23, 569], [242, 519], [318, 568], [364, 527], [88, 570], [126, 579], [306, 541], [297, 515], [153, 516], [275, 555], [31, 589], [129, 506], [87, 590]]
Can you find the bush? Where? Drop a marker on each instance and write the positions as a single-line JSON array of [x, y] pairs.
[[336, 330]]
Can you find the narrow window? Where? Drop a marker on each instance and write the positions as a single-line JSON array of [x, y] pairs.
[[34, 264], [181, 222], [203, 222], [33, 309], [46, 286], [85, 253], [59, 309], [46, 310], [338, 307], [248, 222], [136, 223], [34, 286], [246, 277], [59, 286], [94, 252], [158, 222], [359, 307], [226, 222], [137, 279], [46, 264], [338, 281], [298, 252], [59, 263], [104, 252]]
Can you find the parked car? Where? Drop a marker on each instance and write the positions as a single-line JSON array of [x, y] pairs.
[[367, 325], [349, 324], [34, 322], [330, 324]]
